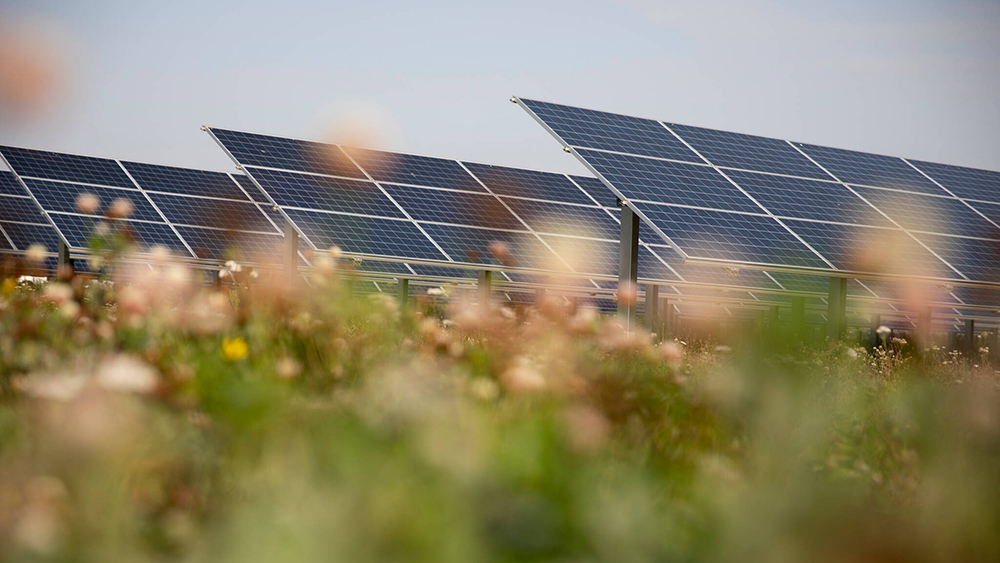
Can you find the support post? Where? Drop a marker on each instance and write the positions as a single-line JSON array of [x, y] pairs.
[[628, 266], [836, 318], [773, 320], [65, 265], [485, 286], [539, 296], [403, 293], [924, 328], [798, 316], [876, 322], [970, 337], [291, 253], [652, 302], [665, 309]]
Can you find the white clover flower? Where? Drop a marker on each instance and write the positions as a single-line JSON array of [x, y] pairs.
[[88, 204], [120, 208], [335, 252], [36, 253]]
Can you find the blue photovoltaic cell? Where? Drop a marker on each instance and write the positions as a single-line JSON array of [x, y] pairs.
[[329, 194], [20, 209], [365, 235], [169, 179], [597, 190], [276, 217], [218, 213], [376, 266], [401, 168], [978, 259], [749, 152], [210, 244], [255, 193], [502, 180], [867, 169], [867, 249], [287, 154], [24, 236], [930, 214], [79, 228], [68, 167], [660, 181], [488, 246], [990, 210], [737, 237], [562, 219], [978, 296], [968, 183], [608, 131], [61, 196], [9, 184], [808, 199], [461, 208]]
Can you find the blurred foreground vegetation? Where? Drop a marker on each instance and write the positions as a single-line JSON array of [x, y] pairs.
[[159, 419]]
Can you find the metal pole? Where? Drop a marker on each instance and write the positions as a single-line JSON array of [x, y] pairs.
[[798, 315], [291, 254], [924, 327], [664, 309], [628, 265], [485, 286], [403, 293], [970, 337], [836, 318], [65, 265], [876, 322], [652, 301]]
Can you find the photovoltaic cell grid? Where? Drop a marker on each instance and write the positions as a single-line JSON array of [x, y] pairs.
[[772, 184], [418, 206], [195, 213]]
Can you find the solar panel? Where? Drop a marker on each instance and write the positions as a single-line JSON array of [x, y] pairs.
[[20, 209], [735, 237], [212, 208], [399, 168], [23, 235], [580, 127], [976, 258], [516, 182], [660, 181], [930, 214], [564, 219], [9, 184], [797, 186], [66, 167], [867, 169], [596, 189], [445, 206], [287, 154], [62, 197], [365, 235], [799, 198], [306, 191], [967, 183], [748, 152]]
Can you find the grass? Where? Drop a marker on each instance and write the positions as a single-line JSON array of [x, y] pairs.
[[161, 420]]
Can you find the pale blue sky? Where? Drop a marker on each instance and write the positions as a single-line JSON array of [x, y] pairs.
[[916, 78]]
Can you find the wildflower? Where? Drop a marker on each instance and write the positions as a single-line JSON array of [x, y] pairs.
[[484, 389], [40, 529], [58, 292], [325, 265], [120, 208], [435, 291], [234, 349], [36, 253], [521, 377], [102, 229], [159, 253], [587, 428], [95, 262], [672, 353], [852, 353], [287, 367], [9, 285], [335, 252], [88, 204], [627, 293], [500, 251], [883, 332], [127, 374]]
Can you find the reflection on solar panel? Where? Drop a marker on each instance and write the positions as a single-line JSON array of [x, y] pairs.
[[725, 197], [194, 213]]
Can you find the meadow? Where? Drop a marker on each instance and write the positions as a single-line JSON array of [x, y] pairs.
[[148, 416]]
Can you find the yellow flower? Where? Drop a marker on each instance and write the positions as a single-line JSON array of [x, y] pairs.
[[9, 285], [234, 349]]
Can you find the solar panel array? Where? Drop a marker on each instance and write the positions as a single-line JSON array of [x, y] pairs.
[[721, 197], [385, 204], [196, 214]]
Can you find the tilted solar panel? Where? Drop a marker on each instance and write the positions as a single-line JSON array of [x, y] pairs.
[[777, 188]]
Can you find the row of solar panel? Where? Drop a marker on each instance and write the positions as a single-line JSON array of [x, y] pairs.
[[461, 205], [745, 199]]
